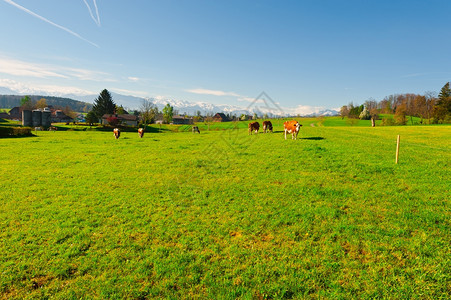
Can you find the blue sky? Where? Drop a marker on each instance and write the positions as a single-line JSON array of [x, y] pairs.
[[303, 54]]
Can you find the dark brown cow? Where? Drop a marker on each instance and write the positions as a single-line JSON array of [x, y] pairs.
[[196, 129], [117, 133], [141, 132], [291, 127], [254, 126], [267, 126]]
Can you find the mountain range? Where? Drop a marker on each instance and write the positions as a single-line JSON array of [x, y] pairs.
[[191, 108], [180, 106]]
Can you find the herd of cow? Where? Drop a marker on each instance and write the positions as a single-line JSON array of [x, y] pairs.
[[288, 126]]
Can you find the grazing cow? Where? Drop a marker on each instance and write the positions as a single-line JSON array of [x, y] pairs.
[[52, 128], [117, 133], [267, 126], [254, 126], [291, 127], [141, 132], [196, 129]]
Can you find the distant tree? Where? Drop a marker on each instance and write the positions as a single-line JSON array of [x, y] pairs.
[[365, 114], [120, 110], [344, 111], [400, 114], [445, 92], [26, 103], [386, 105], [104, 104], [91, 118], [42, 103], [67, 110], [442, 108], [148, 111], [168, 113], [113, 120], [430, 103], [370, 104], [354, 111]]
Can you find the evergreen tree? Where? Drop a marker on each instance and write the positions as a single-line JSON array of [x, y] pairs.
[[445, 92], [442, 109], [104, 104]]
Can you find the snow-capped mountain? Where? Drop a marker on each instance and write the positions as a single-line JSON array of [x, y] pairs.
[[191, 108]]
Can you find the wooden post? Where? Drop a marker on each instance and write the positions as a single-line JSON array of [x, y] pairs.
[[397, 148]]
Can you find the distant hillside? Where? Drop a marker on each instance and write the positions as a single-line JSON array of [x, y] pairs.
[[10, 101]]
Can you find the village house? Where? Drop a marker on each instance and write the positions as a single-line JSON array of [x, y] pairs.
[[124, 119], [58, 116], [15, 113], [220, 117], [181, 120]]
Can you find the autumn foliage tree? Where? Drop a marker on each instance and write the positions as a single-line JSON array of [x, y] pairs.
[[427, 107], [42, 103]]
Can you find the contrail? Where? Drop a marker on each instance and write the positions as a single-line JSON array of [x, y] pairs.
[[50, 22], [97, 21]]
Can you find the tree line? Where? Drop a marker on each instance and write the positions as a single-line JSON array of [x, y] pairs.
[[431, 109], [105, 105], [27, 103], [10, 101]]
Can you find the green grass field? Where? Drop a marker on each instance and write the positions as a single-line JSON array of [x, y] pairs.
[[225, 215]]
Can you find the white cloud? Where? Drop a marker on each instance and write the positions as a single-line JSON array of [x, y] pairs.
[[21, 68], [212, 92], [304, 109], [130, 92], [43, 89], [239, 97], [227, 94], [134, 79], [28, 69]]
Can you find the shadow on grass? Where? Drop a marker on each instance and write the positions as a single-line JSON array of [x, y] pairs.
[[313, 138], [16, 136]]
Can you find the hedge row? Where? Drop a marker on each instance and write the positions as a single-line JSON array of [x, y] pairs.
[[15, 131]]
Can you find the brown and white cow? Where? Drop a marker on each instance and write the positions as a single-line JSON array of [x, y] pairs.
[[291, 127], [141, 132], [117, 133], [254, 126], [267, 126]]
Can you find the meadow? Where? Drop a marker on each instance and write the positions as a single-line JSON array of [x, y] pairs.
[[225, 215]]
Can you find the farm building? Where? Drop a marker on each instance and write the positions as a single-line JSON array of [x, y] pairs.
[[15, 113], [125, 119], [220, 117], [180, 120], [58, 116]]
